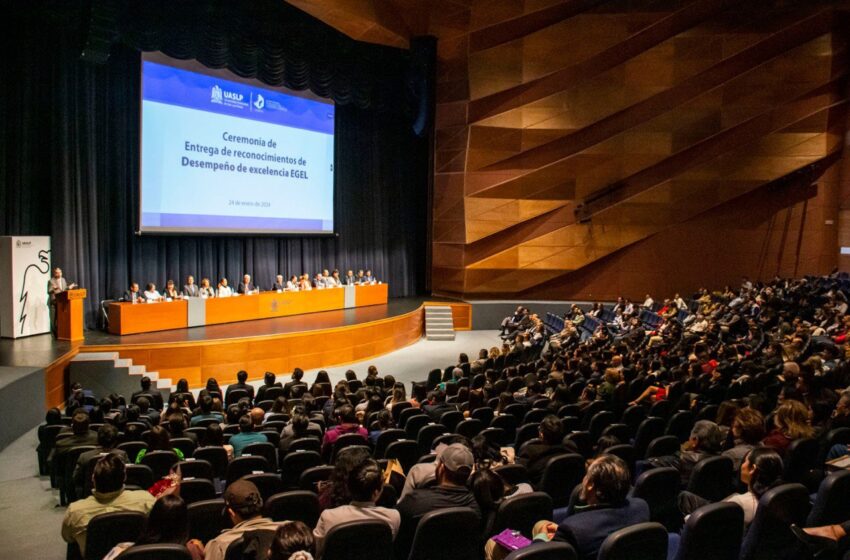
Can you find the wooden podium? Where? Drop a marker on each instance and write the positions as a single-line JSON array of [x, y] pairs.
[[69, 314]]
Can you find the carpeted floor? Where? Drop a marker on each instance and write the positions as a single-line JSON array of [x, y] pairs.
[[30, 519]]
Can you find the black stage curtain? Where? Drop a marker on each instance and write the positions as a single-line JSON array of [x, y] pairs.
[[69, 134]]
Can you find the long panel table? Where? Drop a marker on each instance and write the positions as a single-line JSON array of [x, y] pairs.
[[129, 318]]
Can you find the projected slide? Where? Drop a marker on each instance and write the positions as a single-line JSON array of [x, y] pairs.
[[226, 156]]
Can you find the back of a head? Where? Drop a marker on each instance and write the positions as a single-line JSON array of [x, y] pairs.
[[214, 435], [551, 430], [257, 415], [167, 522], [350, 375], [488, 488], [176, 424], [610, 478], [108, 474], [80, 422], [269, 378], [708, 436], [205, 403], [244, 499], [297, 374], [143, 403], [145, 383], [107, 436], [365, 481], [242, 376], [346, 414], [292, 537], [246, 424], [300, 423], [159, 439], [749, 425], [768, 469]]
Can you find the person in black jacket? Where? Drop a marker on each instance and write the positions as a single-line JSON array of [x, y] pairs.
[[269, 381], [241, 383], [535, 455]]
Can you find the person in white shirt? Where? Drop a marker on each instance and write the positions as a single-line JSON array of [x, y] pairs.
[[318, 281], [151, 294], [364, 485], [333, 280], [292, 284], [648, 302], [680, 303], [206, 290], [223, 289]]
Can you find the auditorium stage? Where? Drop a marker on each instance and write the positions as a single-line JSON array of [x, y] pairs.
[[308, 341]]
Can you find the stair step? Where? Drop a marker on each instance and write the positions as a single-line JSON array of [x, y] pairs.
[[95, 356], [450, 336]]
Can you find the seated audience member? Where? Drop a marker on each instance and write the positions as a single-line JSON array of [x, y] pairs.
[[183, 390], [214, 437], [608, 508], [364, 485], [53, 417], [176, 424], [80, 435], [246, 286], [289, 429], [146, 413], [269, 381], [298, 424], [158, 440], [151, 293], [293, 284], [223, 290], [154, 396], [334, 492], [790, 422], [704, 442], [171, 290], [534, 456], [132, 293], [206, 290], [293, 541], [241, 383], [107, 496], [167, 523], [747, 432], [278, 285], [205, 402], [438, 405], [760, 471], [297, 379], [423, 475], [244, 506], [454, 465], [350, 279], [107, 440], [246, 435], [346, 424], [385, 422], [190, 289]]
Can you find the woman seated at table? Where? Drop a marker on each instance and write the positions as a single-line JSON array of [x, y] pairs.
[[171, 291], [292, 284], [151, 294], [305, 283], [223, 289], [206, 289]]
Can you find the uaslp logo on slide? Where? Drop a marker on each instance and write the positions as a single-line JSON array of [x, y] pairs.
[[224, 97]]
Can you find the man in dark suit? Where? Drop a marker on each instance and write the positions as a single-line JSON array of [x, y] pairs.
[[297, 376], [269, 381], [606, 507], [133, 294], [81, 435], [241, 383], [153, 395], [279, 285], [245, 286], [438, 406], [190, 289], [350, 279], [534, 456]]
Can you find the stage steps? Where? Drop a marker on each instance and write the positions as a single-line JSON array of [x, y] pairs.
[[107, 372], [439, 324]]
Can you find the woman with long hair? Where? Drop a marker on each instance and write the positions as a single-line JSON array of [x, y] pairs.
[[167, 523], [790, 422]]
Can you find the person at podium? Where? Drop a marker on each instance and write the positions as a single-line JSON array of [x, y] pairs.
[[292, 284], [151, 293], [55, 286], [223, 289], [190, 289], [206, 290], [132, 294], [171, 290], [278, 285]]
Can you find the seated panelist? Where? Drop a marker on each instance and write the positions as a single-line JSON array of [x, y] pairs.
[[171, 290], [350, 279], [318, 281], [246, 286], [206, 291], [278, 285], [368, 278], [292, 284], [133, 294], [151, 293], [223, 289], [305, 284], [361, 278], [190, 289], [333, 280]]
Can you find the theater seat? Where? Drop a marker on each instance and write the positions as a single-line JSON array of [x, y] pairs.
[[544, 551], [297, 505], [832, 503], [712, 532], [106, 530], [520, 513], [359, 540], [157, 552], [770, 537], [446, 534], [207, 519], [644, 541]]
